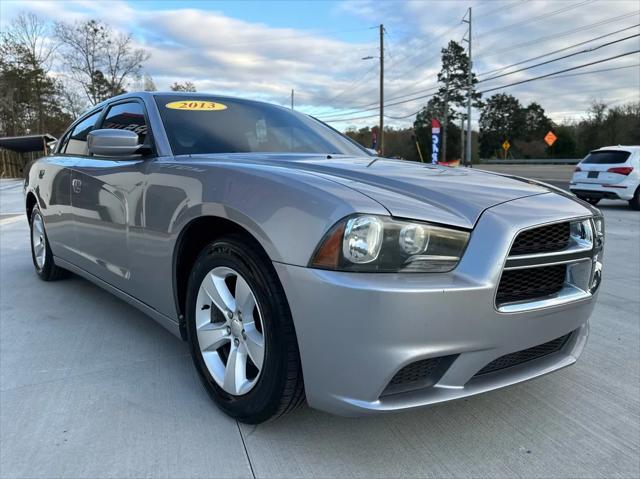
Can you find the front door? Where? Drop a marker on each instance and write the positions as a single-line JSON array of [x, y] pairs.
[[106, 198]]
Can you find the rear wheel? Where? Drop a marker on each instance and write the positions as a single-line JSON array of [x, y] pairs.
[[590, 200], [241, 334], [41, 254], [634, 202]]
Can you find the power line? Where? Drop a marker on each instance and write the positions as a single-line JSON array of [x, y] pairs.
[[588, 50], [353, 83], [558, 51], [502, 9], [370, 106], [635, 65], [553, 75], [557, 35], [539, 17], [561, 71]]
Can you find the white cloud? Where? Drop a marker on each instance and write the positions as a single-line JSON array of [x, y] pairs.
[[229, 55]]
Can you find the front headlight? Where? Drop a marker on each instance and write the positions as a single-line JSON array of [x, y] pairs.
[[371, 243]]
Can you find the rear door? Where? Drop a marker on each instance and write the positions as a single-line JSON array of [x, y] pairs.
[[603, 167], [106, 197]]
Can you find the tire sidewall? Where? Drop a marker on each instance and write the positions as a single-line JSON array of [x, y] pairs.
[[634, 203], [45, 271], [263, 400]]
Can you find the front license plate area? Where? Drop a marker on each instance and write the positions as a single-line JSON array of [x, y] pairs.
[[593, 174]]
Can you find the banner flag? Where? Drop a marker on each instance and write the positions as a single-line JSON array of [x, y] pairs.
[[435, 141]]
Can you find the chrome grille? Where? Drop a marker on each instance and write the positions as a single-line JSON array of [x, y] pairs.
[[530, 283], [544, 239]]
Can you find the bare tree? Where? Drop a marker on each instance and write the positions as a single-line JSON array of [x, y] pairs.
[[26, 55], [100, 61], [32, 33], [148, 83], [186, 86]]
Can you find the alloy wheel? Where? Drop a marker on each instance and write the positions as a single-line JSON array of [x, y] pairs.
[[38, 240], [230, 330]]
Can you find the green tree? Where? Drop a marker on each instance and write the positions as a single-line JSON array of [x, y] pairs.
[[502, 118], [454, 91], [536, 122]]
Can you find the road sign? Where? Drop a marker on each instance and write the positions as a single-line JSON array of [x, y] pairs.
[[550, 138], [506, 145]]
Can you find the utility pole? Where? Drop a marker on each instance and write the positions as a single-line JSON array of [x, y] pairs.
[[445, 119], [292, 98], [381, 124], [469, 91], [462, 138]]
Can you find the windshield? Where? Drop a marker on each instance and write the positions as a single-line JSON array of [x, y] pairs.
[[204, 124], [607, 157]]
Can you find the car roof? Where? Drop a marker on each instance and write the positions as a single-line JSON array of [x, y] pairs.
[[629, 148], [151, 94]]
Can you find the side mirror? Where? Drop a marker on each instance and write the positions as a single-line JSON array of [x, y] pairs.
[[372, 152], [113, 143]]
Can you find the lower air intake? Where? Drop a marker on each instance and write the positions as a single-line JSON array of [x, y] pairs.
[[418, 375], [520, 357]]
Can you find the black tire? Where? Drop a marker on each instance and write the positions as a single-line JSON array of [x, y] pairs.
[[49, 271], [280, 387], [634, 203], [590, 200]]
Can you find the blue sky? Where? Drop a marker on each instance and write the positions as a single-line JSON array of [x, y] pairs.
[[263, 49]]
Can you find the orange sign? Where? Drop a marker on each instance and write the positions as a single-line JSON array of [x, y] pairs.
[[506, 145], [550, 138]]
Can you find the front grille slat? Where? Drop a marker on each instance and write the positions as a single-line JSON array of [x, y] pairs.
[[520, 357], [536, 282], [544, 239], [530, 283]]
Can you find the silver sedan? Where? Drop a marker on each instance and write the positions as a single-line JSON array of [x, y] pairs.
[[297, 265]]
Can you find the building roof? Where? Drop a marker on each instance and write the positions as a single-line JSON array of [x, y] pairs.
[[27, 143]]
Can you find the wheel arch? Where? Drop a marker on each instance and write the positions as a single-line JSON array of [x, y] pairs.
[[193, 237], [30, 202]]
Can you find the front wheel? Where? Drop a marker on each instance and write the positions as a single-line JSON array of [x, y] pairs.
[[241, 334]]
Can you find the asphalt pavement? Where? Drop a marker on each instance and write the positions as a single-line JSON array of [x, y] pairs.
[[556, 175], [90, 387]]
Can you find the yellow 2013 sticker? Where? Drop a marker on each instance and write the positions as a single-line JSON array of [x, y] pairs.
[[198, 105]]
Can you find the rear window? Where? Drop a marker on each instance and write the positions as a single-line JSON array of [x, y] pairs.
[[204, 124], [607, 157]]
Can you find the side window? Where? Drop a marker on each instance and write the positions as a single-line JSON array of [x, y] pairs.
[[76, 142], [127, 116]]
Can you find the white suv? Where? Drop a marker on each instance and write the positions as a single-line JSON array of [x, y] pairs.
[[611, 172]]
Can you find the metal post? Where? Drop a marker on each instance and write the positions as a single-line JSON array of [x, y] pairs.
[[292, 98], [469, 91], [462, 139], [381, 127], [445, 120]]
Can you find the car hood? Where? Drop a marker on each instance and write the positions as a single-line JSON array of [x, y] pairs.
[[454, 196]]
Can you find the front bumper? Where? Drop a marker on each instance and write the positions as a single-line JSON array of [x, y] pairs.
[[357, 330]]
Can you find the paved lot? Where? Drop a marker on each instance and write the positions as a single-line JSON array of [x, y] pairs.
[[556, 175], [90, 387]]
